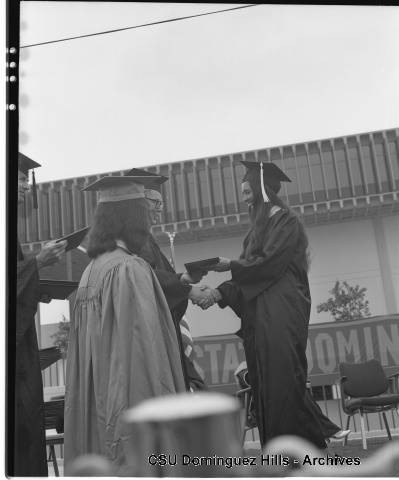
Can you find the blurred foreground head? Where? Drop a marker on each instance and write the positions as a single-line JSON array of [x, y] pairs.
[[182, 428], [91, 466]]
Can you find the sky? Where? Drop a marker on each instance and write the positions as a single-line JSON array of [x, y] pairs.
[[240, 80]]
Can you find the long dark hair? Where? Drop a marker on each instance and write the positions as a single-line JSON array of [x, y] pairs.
[[259, 215], [127, 220]]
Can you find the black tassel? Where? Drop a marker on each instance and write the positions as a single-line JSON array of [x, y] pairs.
[[34, 190]]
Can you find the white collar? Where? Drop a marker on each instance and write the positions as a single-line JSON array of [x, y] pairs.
[[121, 244], [274, 210]]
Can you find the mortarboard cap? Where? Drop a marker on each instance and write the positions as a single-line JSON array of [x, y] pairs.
[[74, 239], [265, 173], [24, 165], [157, 181], [57, 289], [116, 189]]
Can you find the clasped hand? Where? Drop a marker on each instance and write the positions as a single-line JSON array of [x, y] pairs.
[[192, 277], [204, 296], [224, 265], [50, 253]]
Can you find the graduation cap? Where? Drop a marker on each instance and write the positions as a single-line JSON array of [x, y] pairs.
[[116, 189], [157, 181], [265, 173], [24, 165], [57, 289], [74, 239]]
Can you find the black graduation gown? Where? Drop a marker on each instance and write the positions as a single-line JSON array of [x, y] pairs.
[[269, 291], [29, 441], [328, 427], [176, 294]]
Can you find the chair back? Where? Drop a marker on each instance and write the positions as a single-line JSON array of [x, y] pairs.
[[363, 379], [54, 415]]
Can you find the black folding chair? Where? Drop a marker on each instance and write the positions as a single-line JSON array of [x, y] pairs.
[[54, 419], [365, 389]]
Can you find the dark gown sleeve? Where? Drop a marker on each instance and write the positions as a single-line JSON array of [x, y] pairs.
[[27, 272], [231, 297], [27, 295], [281, 242], [174, 290]]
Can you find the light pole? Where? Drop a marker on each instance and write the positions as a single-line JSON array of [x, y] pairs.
[[171, 236]]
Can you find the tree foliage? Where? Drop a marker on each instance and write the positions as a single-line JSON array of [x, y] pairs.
[[61, 336], [347, 302]]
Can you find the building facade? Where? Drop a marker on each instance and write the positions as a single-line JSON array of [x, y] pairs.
[[345, 189]]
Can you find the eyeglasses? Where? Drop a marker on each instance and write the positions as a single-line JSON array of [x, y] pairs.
[[157, 203]]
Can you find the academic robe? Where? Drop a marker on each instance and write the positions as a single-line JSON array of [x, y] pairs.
[[176, 294], [29, 433], [122, 350], [269, 291], [328, 427]]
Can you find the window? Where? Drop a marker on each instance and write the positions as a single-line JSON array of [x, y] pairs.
[[203, 188], [239, 172], [215, 186], [55, 212], [342, 168], [167, 214], [44, 215], [317, 173], [290, 170], [178, 192], [263, 156], [355, 166], [188, 173], [368, 164], [229, 184], [381, 164], [329, 170], [304, 182], [394, 154]]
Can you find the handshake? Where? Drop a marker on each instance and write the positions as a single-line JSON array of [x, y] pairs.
[[204, 296], [201, 295]]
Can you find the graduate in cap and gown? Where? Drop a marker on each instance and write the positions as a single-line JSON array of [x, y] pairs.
[[269, 291], [123, 347], [29, 449], [176, 286]]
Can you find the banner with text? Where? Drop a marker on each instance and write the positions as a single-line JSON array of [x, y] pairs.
[[329, 344]]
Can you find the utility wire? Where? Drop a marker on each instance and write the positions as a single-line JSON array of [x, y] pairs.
[[140, 26]]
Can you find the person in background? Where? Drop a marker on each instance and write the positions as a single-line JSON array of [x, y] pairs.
[[29, 449], [123, 347], [176, 286], [269, 291]]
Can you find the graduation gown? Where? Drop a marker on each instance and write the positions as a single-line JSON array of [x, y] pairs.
[[269, 291], [122, 350], [176, 294], [29, 433], [328, 427]]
